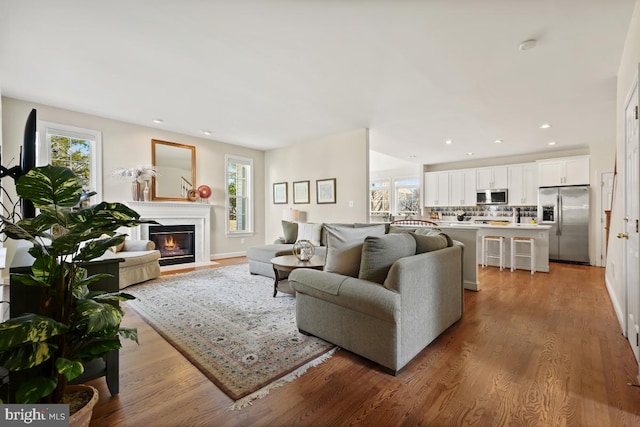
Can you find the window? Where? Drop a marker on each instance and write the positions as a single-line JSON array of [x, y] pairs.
[[379, 198], [239, 209], [407, 197], [391, 196], [78, 149]]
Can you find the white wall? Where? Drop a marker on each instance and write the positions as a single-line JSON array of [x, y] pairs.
[[126, 145], [627, 74], [344, 156]]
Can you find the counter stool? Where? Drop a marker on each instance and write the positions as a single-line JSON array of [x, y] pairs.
[[485, 250], [532, 251]]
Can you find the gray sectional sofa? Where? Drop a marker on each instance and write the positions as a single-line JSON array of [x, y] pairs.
[[259, 257], [408, 289]]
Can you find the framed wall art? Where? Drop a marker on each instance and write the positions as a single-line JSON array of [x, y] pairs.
[[326, 190], [280, 193], [301, 192]]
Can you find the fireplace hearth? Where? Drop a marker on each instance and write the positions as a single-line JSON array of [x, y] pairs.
[[176, 243]]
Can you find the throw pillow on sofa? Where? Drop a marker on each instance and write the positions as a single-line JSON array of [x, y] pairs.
[[290, 231], [380, 252], [430, 242], [309, 231], [344, 247], [434, 232]]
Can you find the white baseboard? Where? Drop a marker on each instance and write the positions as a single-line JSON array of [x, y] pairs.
[[617, 308], [228, 255]]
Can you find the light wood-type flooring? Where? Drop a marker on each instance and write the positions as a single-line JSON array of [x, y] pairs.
[[542, 350]]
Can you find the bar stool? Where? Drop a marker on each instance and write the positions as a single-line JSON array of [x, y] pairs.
[[485, 250], [532, 251]]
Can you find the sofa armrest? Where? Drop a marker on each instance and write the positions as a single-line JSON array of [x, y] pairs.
[[138, 245], [430, 286], [443, 266], [355, 294]]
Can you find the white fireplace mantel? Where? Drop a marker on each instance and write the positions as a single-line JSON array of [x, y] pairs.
[[177, 213]]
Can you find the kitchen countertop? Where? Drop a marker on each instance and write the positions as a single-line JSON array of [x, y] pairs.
[[520, 226]]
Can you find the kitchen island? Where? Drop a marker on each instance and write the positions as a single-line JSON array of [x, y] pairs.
[[538, 232], [470, 234]]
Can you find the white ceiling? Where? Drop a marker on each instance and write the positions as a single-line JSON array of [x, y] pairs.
[[267, 74]]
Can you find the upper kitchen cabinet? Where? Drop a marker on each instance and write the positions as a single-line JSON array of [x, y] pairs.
[[523, 184], [436, 189], [492, 177], [564, 171], [462, 187]]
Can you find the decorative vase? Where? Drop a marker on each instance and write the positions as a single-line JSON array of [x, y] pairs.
[[460, 217], [303, 250], [145, 193], [135, 190], [82, 417]]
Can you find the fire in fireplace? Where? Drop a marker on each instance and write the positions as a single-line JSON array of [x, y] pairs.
[[176, 243]]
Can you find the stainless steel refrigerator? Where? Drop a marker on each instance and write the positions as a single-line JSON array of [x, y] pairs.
[[566, 210]]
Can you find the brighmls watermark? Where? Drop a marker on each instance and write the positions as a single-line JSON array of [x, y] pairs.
[[41, 415]]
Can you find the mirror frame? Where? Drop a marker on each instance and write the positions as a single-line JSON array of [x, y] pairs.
[[154, 143]]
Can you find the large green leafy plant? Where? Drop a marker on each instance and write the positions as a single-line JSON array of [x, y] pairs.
[[72, 325]]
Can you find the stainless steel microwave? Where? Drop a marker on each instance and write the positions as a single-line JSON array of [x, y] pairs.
[[491, 197]]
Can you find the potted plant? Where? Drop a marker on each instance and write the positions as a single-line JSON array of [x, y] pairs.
[[72, 325]]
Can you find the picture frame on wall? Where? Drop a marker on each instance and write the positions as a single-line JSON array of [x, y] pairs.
[[280, 196], [301, 192], [326, 190]]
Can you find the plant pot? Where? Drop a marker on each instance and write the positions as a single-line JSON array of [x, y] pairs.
[[82, 417], [460, 217]]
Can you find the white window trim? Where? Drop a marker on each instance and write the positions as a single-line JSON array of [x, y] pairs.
[[43, 151], [389, 189], [392, 179], [250, 213], [395, 181]]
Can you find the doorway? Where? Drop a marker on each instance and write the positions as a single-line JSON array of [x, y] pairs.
[[606, 195], [630, 234]]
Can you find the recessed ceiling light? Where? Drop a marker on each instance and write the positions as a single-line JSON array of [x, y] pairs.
[[469, 154], [448, 142], [498, 141], [157, 121], [551, 143], [528, 44], [545, 126], [206, 132], [413, 156]]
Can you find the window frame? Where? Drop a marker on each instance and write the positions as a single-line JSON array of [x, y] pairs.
[[396, 192], [389, 183], [249, 231], [43, 150]]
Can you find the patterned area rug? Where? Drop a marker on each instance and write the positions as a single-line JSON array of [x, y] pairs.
[[227, 323]]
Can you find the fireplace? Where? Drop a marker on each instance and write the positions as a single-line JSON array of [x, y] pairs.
[[176, 243]]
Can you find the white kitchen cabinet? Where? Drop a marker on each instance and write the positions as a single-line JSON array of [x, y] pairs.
[[462, 187], [564, 171], [436, 189], [523, 184], [495, 177]]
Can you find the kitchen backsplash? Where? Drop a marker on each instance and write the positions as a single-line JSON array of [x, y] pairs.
[[483, 211]]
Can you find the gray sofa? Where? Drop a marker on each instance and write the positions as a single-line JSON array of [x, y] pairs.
[[259, 257], [399, 303]]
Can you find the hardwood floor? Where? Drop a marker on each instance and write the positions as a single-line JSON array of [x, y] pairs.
[[542, 350]]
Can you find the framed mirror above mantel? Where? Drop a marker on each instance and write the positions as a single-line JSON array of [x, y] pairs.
[[175, 170]]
